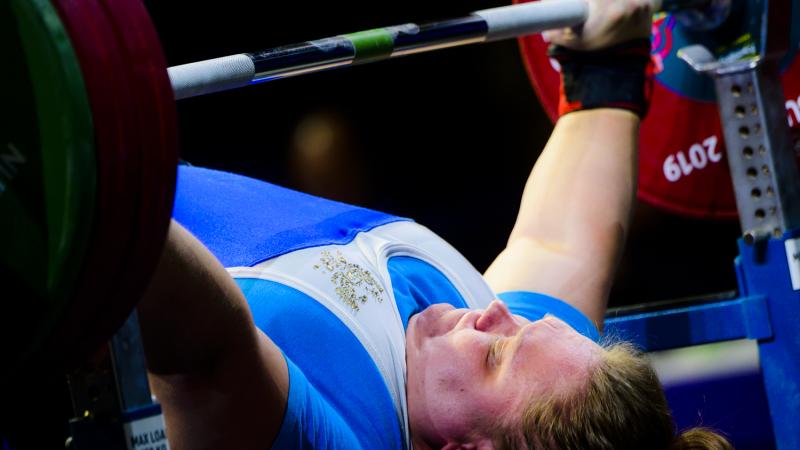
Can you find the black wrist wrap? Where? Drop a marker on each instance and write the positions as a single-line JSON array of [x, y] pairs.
[[615, 77]]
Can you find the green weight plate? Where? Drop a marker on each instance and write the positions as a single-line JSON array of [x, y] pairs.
[[47, 174]]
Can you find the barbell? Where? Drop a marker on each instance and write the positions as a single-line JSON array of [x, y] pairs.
[[88, 138]]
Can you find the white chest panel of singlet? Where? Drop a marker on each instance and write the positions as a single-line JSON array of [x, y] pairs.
[[352, 281]]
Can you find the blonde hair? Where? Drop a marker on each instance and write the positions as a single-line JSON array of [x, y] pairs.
[[621, 407]]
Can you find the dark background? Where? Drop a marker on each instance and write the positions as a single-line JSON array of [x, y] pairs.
[[446, 138]]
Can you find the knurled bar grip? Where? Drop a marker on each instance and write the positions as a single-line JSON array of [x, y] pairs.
[[513, 21], [213, 75]]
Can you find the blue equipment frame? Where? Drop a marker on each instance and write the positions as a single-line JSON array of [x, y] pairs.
[[768, 311]]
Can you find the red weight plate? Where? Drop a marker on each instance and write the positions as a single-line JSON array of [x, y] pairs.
[[119, 172], [682, 164], [156, 118]]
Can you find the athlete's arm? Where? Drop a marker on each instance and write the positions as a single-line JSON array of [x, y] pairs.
[[576, 208], [574, 213], [221, 382]]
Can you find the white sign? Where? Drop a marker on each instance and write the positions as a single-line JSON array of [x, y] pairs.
[[147, 433], [793, 256]]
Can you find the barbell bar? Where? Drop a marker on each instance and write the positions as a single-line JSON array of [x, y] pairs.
[[682, 167], [486, 25]]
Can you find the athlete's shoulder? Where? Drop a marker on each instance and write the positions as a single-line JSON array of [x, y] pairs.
[[244, 221]]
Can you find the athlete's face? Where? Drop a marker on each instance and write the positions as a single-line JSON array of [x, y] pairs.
[[469, 370]]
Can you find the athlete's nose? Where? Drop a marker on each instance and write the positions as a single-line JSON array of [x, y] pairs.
[[497, 319]]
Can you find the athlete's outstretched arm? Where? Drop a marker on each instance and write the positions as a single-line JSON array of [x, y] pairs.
[[221, 382], [576, 208], [575, 212]]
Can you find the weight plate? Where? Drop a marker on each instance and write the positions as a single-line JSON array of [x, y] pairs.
[[156, 118], [682, 163], [47, 174], [140, 163], [119, 170]]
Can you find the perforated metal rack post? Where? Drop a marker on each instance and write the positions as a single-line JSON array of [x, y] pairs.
[[760, 151]]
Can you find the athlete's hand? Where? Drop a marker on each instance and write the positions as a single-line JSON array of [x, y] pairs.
[[610, 22]]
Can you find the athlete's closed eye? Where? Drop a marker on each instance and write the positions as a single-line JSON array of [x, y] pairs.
[[493, 354]]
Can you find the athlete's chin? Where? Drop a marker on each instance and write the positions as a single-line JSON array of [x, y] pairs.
[[418, 335], [412, 335], [414, 355]]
